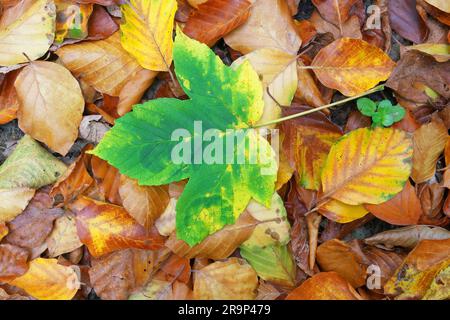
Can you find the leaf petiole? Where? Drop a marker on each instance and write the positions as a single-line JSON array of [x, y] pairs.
[[304, 113]]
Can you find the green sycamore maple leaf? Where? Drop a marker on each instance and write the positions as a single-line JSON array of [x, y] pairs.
[[222, 99]]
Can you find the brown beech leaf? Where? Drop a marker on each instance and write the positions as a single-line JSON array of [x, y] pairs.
[[429, 143], [324, 286], [351, 66], [9, 102], [231, 279], [308, 141], [31, 228], [417, 70], [351, 28], [64, 237], [116, 275], [266, 291], [101, 25], [269, 26], [216, 18], [345, 259], [414, 277], [13, 262], [406, 21], [336, 12], [407, 237], [404, 209], [48, 280], [75, 180], [51, 104], [143, 203], [308, 90], [219, 245], [431, 196], [300, 244], [104, 228]]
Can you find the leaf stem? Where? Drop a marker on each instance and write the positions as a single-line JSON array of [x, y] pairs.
[[304, 113]]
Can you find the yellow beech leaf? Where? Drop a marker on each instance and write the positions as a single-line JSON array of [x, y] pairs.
[[29, 30], [3, 230], [232, 279], [352, 66], [13, 202], [340, 212], [105, 228], [102, 64], [368, 166], [51, 104], [147, 32], [48, 280]]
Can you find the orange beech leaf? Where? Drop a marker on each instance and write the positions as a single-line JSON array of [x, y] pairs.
[[74, 181], [307, 142], [446, 177], [414, 277], [175, 268], [219, 245], [429, 142], [104, 228], [324, 286], [9, 102], [404, 209], [13, 262], [346, 260], [216, 18], [107, 179], [308, 90], [3, 230], [352, 66], [143, 203], [48, 280]]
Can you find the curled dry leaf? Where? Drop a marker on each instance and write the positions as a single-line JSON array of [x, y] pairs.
[[216, 18], [93, 128], [324, 286], [429, 143], [219, 245], [143, 203], [29, 22], [403, 209], [414, 277], [13, 262], [407, 237], [107, 180], [9, 103], [30, 166], [351, 66], [166, 223], [104, 228], [269, 26], [367, 166], [232, 279], [51, 104], [48, 280], [146, 33]]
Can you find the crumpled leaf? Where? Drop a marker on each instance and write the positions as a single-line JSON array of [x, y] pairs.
[[242, 107], [269, 26], [28, 28], [407, 237], [48, 280], [13, 262], [51, 104], [351, 66], [231, 279], [415, 276], [367, 166], [324, 286], [216, 18], [30, 166], [147, 32], [104, 228]]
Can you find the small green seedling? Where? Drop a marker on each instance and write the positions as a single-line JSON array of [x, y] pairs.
[[383, 113]]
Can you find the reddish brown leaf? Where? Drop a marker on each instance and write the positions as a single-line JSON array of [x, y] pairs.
[[13, 262], [336, 12], [406, 21], [9, 102], [107, 179], [216, 18], [101, 25]]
